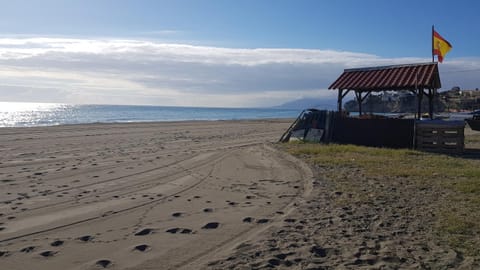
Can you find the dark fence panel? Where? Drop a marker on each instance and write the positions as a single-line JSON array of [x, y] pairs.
[[391, 133]]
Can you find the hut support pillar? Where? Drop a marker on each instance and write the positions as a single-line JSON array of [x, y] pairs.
[[430, 102], [339, 101], [419, 105], [358, 95], [341, 95], [360, 100]]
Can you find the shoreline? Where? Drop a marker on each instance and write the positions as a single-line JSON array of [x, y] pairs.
[[189, 121]]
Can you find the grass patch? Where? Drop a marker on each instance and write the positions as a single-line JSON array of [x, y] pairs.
[[388, 162], [472, 138], [458, 218]]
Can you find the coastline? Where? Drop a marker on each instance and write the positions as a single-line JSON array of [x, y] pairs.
[[41, 114]]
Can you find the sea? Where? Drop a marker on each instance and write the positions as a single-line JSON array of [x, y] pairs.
[[23, 114]]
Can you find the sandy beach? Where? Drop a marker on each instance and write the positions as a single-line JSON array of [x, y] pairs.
[[141, 195], [205, 195]]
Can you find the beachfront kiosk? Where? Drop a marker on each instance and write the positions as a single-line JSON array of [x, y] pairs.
[[422, 79]]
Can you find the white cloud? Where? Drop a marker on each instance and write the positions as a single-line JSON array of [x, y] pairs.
[[144, 72]]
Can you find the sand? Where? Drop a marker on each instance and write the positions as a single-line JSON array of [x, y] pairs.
[[201, 195], [142, 195]]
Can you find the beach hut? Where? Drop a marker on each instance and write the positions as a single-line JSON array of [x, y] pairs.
[[422, 79]]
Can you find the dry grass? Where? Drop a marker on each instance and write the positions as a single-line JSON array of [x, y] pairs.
[[457, 218]]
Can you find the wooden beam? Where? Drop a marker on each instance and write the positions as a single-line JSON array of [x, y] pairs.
[[365, 97], [430, 102], [339, 101], [358, 95], [419, 108]]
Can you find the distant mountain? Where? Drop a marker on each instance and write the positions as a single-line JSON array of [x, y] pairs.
[[307, 103]]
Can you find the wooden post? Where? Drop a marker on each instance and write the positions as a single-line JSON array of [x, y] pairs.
[[430, 102], [419, 108], [339, 101], [358, 94]]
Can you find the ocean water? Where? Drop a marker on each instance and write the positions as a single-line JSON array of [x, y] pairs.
[[19, 114]]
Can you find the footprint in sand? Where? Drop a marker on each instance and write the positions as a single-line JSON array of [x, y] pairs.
[[248, 219], [142, 247], [318, 251], [56, 243], [103, 263], [177, 214], [211, 225], [4, 253], [85, 238], [27, 249], [208, 210], [263, 220], [179, 230], [274, 262], [281, 256], [7, 180], [47, 253], [146, 231]]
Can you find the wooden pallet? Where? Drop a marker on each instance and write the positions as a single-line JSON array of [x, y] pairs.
[[443, 138]]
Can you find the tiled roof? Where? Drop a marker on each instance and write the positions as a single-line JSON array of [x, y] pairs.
[[398, 77]]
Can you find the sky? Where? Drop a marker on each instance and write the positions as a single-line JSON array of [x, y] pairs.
[[220, 53]]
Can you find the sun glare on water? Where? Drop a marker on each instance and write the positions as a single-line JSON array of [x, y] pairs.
[[28, 114], [27, 106]]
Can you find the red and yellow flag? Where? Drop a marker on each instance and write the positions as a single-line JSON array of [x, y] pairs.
[[440, 46]]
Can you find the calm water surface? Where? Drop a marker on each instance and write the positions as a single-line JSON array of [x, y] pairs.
[[19, 114]]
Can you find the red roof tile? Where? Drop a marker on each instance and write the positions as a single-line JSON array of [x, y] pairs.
[[398, 77]]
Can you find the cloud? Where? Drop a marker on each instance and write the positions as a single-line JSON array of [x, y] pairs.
[[145, 72]]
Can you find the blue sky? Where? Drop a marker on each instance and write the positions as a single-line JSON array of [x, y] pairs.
[[220, 53]]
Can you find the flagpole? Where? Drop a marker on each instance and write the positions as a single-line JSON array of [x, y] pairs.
[[433, 30]]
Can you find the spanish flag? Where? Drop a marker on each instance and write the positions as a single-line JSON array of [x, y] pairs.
[[440, 46]]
